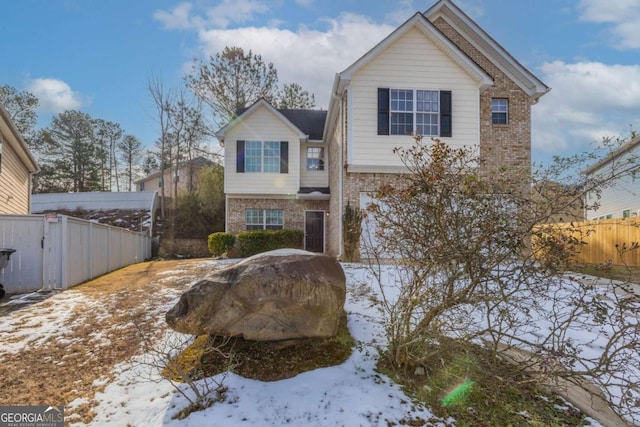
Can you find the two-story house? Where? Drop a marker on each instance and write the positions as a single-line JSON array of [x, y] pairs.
[[622, 198], [185, 178], [17, 167], [276, 172], [438, 75]]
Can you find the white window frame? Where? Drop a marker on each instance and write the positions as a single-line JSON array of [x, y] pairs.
[[264, 218], [315, 159], [499, 106], [265, 160], [416, 108]]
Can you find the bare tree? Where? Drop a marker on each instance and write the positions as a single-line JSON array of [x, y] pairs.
[[21, 107], [163, 100], [108, 136], [231, 80], [292, 96]]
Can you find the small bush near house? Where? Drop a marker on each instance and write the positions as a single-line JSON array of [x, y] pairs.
[[219, 243], [258, 241]]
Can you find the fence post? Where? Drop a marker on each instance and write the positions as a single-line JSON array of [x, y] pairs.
[[64, 251]]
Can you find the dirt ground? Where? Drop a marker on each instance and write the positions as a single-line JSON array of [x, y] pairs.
[[104, 327]]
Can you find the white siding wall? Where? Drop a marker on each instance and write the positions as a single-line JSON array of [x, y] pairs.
[[261, 125], [412, 62], [14, 178], [313, 178], [624, 195]]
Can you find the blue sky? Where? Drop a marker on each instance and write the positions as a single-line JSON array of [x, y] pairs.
[[97, 56]]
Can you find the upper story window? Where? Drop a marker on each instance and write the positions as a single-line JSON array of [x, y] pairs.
[[421, 107], [499, 111], [262, 157], [411, 112], [315, 159], [142, 186], [264, 219]]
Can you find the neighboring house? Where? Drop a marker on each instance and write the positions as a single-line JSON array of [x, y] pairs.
[[621, 200], [17, 167], [438, 74], [186, 177]]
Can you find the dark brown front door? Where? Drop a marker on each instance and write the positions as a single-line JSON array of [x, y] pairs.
[[314, 231]]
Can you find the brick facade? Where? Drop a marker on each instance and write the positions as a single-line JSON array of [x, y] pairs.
[[293, 211], [501, 146]]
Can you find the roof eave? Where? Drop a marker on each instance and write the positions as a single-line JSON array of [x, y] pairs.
[[620, 151]]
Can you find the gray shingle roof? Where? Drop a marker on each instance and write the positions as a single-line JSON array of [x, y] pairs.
[[310, 122]]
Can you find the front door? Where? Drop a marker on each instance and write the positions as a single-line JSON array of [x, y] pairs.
[[314, 231]]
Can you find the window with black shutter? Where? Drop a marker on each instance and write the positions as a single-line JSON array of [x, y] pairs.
[[415, 112]]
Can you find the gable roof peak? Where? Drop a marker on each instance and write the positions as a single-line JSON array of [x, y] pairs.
[[491, 49], [418, 20]]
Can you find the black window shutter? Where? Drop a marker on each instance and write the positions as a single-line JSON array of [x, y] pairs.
[[240, 157], [446, 123], [383, 111], [284, 156]]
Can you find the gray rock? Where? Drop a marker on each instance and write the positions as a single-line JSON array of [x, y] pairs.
[[277, 295]]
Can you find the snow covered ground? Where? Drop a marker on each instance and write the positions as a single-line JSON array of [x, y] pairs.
[[351, 394]]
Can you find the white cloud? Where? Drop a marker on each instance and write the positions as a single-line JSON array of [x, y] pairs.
[[306, 56], [235, 11], [623, 15], [588, 101], [178, 19], [305, 3], [225, 13], [55, 95]]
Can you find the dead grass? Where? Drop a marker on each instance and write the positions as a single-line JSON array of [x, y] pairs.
[[100, 334]]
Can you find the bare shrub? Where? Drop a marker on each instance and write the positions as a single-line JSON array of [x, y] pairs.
[[476, 260], [178, 359]]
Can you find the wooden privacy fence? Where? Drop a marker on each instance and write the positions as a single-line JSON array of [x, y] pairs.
[[607, 240], [58, 251]]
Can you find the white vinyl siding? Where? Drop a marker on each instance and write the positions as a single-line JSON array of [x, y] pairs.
[[14, 181], [318, 178], [624, 195], [411, 62], [261, 125]]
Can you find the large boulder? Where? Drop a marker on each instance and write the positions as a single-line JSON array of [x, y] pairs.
[[277, 295]]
